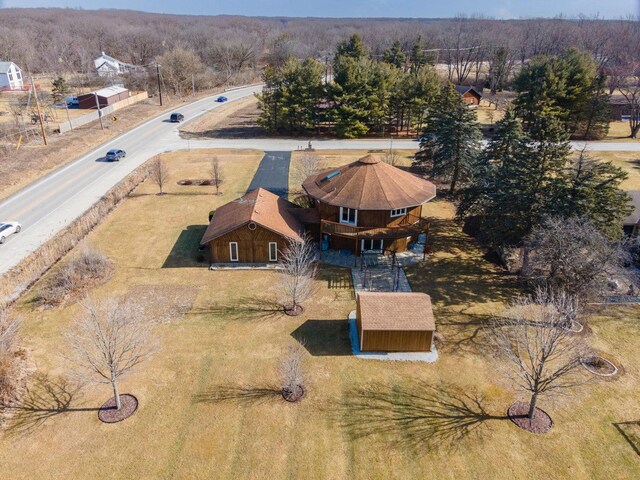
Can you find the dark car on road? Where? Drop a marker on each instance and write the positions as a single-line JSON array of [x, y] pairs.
[[115, 155], [176, 117], [221, 98]]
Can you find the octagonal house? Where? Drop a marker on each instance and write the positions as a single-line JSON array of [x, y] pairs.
[[369, 206]]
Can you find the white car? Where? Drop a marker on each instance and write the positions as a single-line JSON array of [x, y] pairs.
[[8, 228]]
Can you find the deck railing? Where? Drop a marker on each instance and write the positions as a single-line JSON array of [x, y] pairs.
[[409, 225]]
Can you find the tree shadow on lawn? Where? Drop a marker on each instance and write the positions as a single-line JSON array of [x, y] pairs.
[[239, 395], [324, 338], [414, 415], [246, 308], [630, 431], [46, 398], [464, 332], [185, 251]]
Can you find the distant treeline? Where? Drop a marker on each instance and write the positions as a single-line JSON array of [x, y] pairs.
[[67, 40]]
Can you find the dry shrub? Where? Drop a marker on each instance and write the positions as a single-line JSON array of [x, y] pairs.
[[12, 361], [88, 269], [20, 278]]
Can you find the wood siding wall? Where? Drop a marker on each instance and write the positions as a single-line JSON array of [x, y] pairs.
[[395, 340], [253, 245], [367, 218]]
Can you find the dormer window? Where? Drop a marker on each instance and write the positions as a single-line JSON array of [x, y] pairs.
[[398, 212], [348, 216]]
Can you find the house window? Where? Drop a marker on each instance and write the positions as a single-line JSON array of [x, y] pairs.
[[372, 245], [349, 216], [273, 252], [398, 212], [233, 251]]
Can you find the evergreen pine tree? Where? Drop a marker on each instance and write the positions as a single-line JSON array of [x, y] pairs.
[[452, 139]]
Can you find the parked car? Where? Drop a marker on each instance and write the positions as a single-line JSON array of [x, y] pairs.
[[176, 117], [221, 98], [72, 102], [8, 228], [115, 155]]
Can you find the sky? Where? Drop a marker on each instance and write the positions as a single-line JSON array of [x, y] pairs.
[[358, 8]]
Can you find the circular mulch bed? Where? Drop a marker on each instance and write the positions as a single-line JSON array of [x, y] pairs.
[[109, 414], [294, 311], [599, 365], [541, 422], [293, 395]]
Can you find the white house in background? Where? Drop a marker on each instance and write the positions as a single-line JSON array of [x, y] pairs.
[[10, 76], [107, 66]]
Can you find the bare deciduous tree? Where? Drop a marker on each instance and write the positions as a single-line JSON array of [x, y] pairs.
[[298, 273], [110, 339], [159, 174], [536, 353], [570, 256], [308, 165], [292, 373], [8, 332], [391, 157], [9, 362], [216, 174]]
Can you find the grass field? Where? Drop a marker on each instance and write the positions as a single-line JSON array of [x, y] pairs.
[[628, 161], [209, 406]]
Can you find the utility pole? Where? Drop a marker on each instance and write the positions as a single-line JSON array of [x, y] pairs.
[[44, 135], [99, 111], [193, 84], [66, 107], [159, 86]]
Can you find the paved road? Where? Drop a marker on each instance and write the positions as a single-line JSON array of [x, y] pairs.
[[273, 173], [53, 202]]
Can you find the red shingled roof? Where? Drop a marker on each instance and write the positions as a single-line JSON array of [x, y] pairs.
[[369, 184], [260, 207]]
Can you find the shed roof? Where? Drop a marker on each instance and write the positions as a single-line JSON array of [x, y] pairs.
[[462, 89], [634, 201], [5, 66], [396, 311], [107, 91], [259, 206], [369, 184]]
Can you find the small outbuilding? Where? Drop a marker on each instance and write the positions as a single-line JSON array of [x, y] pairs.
[[105, 97], [395, 322], [10, 76], [470, 95], [631, 224], [253, 229]]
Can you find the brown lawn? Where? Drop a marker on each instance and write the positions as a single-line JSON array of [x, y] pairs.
[[208, 406]]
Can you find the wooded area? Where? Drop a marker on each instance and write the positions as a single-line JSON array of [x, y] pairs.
[[67, 40]]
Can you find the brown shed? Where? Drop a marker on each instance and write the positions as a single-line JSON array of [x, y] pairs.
[[395, 322], [106, 96], [253, 229], [470, 95]]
